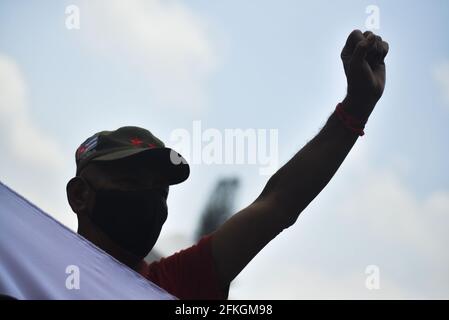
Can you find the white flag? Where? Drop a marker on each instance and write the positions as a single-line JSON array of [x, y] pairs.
[[42, 259]]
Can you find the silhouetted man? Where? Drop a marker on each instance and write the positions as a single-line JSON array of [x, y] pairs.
[[120, 190]]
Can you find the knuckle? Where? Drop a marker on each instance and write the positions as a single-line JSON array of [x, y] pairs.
[[355, 35]]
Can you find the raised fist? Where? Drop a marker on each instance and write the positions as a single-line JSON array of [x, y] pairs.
[[363, 59]]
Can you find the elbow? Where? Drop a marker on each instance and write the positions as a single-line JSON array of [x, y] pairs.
[[271, 188], [286, 205], [284, 210]]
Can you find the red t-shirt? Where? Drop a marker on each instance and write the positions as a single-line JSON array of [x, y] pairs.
[[189, 274]]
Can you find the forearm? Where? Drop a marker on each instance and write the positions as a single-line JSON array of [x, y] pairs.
[[301, 179]]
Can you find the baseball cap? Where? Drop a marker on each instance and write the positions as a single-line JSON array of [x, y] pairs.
[[126, 142]]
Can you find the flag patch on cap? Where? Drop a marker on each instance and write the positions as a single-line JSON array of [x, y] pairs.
[[87, 146]]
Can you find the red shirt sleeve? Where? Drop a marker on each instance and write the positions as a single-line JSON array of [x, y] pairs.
[[189, 274]]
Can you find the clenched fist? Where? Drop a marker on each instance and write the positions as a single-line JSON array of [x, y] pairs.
[[363, 59]]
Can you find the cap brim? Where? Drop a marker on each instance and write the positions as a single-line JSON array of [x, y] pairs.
[[166, 160]]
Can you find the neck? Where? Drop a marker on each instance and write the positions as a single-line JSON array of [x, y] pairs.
[[101, 240]]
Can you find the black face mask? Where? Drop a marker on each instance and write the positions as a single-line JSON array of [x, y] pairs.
[[132, 219]]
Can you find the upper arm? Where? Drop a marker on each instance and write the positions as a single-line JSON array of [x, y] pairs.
[[287, 193], [240, 238]]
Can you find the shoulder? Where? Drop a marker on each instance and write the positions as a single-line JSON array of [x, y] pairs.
[[188, 274]]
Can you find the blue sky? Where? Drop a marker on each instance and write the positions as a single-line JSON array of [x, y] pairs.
[[257, 64]]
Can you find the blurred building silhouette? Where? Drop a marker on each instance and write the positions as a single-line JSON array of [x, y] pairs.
[[219, 207], [217, 210]]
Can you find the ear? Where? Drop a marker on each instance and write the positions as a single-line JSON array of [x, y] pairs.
[[79, 195]]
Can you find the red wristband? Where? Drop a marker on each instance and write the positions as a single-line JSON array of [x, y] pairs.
[[350, 122]]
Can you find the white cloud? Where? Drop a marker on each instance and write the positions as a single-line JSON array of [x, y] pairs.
[[384, 204], [369, 215], [441, 76], [299, 282], [20, 135], [163, 38], [31, 161]]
